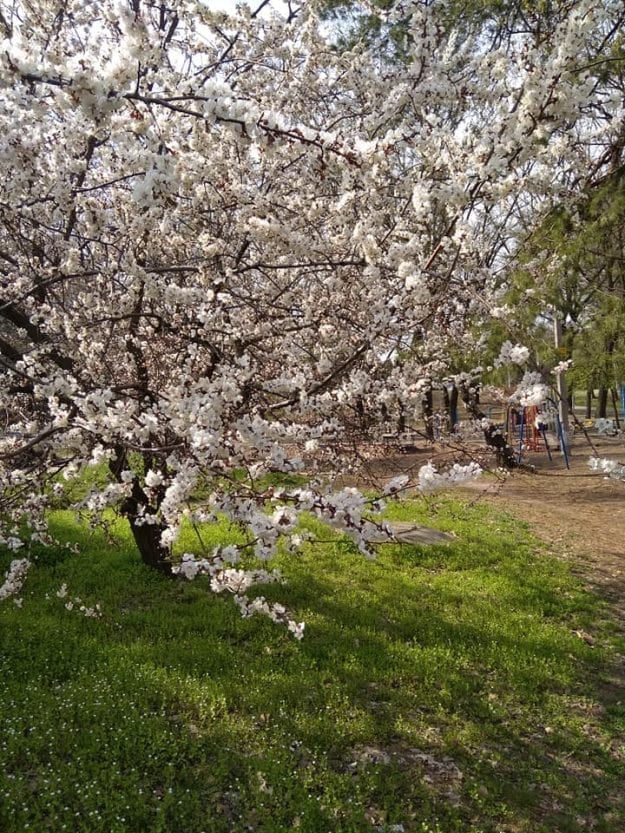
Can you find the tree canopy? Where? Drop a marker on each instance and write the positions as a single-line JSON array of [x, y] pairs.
[[216, 233]]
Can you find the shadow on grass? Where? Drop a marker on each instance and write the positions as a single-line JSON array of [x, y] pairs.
[[476, 704]]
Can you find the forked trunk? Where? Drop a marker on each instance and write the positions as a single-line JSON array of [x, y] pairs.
[[147, 535]]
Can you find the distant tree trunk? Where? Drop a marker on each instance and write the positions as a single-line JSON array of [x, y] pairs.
[[428, 413], [361, 411], [617, 420], [446, 403], [589, 395], [453, 408], [401, 419], [602, 403]]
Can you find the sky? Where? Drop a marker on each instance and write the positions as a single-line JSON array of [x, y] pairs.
[[229, 5], [223, 5]]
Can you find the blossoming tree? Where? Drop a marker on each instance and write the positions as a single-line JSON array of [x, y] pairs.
[[216, 234]]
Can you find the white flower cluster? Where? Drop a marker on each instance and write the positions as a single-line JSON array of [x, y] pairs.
[[500, 312], [77, 604], [110, 495], [562, 367], [14, 578], [430, 480], [531, 391], [396, 484], [276, 612], [470, 430], [11, 541], [512, 354], [238, 582], [344, 511], [611, 468]]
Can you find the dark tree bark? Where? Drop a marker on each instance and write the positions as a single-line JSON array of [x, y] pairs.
[[493, 435], [428, 413], [147, 536], [617, 420], [401, 419], [361, 414], [602, 403], [453, 407], [148, 540], [447, 405]]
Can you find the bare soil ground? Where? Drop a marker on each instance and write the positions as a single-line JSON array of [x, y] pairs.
[[579, 513]]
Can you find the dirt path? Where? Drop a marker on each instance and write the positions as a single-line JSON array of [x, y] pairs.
[[579, 513]]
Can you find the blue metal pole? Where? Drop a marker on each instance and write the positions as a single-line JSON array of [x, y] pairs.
[[562, 442], [543, 432]]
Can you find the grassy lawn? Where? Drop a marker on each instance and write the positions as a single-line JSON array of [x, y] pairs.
[[436, 690]]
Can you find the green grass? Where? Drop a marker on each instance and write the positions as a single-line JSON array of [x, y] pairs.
[[443, 689]]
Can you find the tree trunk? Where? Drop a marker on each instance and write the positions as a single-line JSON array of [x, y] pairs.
[[147, 535], [401, 419], [617, 420], [148, 540], [428, 411], [589, 395], [453, 408], [446, 403], [361, 412], [493, 435], [602, 403]]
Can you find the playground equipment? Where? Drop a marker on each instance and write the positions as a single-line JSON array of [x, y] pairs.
[[527, 429]]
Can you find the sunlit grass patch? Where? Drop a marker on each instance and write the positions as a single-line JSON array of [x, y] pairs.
[[442, 689]]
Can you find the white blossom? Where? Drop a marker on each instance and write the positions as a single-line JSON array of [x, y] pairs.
[[562, 367], [215, 260], [153, 479], [612, 468], [512, 354], [14, 578], [430, 480], [396, 484], [531, 391]]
